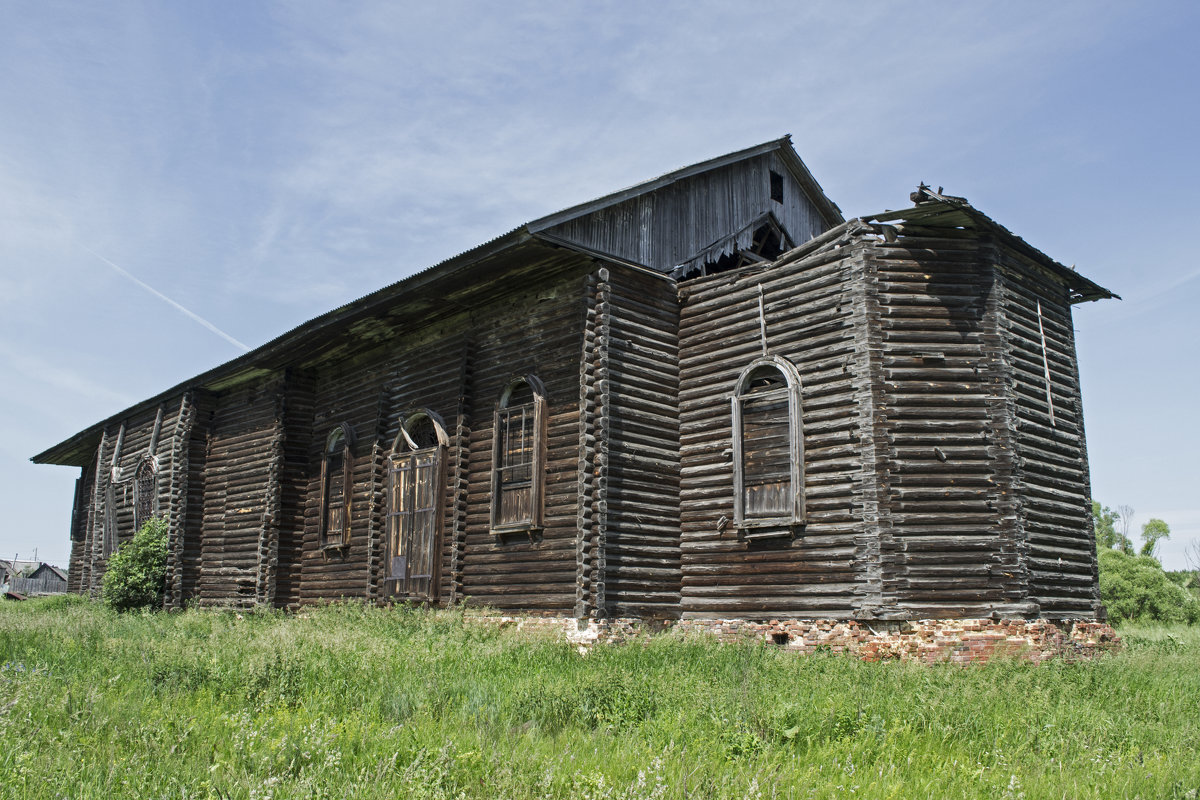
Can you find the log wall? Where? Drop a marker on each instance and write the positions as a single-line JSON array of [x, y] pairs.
[[347, 392], [430, 373], [949, 536], [534, 332], [147, 435], [944, 464], [195, 452], [1051, 471], [293, 484], [81, 520], [813, 319], [239, 494], [635, 389]]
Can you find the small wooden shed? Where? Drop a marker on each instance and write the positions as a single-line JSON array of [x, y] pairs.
[[705, 396]]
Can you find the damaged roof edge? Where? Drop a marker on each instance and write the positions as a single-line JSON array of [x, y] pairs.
[[1086, 290], [829, 209]]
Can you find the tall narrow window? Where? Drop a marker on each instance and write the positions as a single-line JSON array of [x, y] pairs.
[[768, 449], [416, 489], [518, 457], [336, 486], [145, 500]]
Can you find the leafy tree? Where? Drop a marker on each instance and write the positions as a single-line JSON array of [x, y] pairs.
[[1152, 532], [1108, 536], [1136, 588], [137, 573]]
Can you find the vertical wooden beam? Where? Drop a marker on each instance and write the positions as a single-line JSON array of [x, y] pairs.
[[377, 492], [158, 419], [87, 582], [603, 433], [875, 541], [177, 496], [459, 473], [587, 454], [1011, 565], [267, 566]]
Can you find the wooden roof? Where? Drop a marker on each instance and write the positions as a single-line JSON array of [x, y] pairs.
[[455, 282], [933, 211]]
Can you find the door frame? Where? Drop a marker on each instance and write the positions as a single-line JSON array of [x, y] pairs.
[[404, 447]]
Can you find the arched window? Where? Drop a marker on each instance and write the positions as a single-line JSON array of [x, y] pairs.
[[768, 449], [337, 469], [416, 488], [518, 456], [145, 494]]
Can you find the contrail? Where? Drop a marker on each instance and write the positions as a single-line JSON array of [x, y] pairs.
[[166, 299]]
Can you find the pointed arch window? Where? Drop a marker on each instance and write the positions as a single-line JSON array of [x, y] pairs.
[[337, 469], [145, 493], [416, 490], [518, 457], [768, 449]]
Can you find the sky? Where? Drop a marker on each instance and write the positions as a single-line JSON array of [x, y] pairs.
[[180, 181]]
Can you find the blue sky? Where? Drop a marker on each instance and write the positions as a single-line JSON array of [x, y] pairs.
[[256, 165]]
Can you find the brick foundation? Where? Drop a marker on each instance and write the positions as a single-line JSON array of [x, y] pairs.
[[929, 641]]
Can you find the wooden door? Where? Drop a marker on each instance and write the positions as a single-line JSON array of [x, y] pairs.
[[414, 524]]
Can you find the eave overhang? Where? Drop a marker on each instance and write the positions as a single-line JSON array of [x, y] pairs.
[[933, 210]]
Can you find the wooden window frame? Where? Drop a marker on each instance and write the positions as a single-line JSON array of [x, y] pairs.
[[403, 446], [783, 525], [147, 464], [344, 434], [534, 522]]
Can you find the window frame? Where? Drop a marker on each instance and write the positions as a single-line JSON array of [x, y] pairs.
[[534, 521], [405, 447], [784, 524], [344, 434], [148, 465]]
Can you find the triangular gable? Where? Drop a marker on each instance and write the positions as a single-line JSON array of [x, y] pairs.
[[678, 222]]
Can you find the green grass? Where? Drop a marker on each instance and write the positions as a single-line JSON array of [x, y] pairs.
[[350, 701]]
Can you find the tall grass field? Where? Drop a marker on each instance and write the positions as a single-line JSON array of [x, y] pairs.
[[354, 701]]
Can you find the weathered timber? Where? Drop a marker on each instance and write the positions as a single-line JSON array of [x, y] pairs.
[[734, 405]]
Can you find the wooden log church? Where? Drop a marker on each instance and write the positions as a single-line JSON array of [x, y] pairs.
[[707, 396]]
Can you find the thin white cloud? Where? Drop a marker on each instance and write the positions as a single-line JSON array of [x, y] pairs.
[[178, 307]]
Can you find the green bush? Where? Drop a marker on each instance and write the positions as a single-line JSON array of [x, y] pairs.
[[1136, 588], [137, 572]]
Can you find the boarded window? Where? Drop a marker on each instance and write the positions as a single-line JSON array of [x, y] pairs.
[[415, 494], [336, 486], [768, 448], [145, 500], [517, 454]]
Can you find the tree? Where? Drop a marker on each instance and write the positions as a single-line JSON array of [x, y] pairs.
[[1108, 537], [137, 573], [1191, 557], [1152, 532], [1136, 588]]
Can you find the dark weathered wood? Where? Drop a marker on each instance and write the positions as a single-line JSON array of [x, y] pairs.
[[923, 454]]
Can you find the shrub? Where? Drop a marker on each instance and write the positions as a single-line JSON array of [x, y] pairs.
[[1136, 588], [137, 572]]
